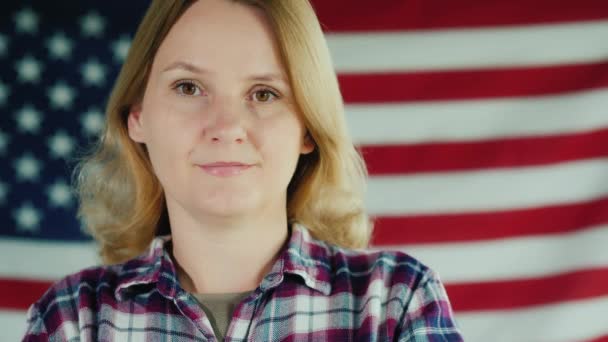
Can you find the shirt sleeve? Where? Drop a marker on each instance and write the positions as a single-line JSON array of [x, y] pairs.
[[36, 330], [428, 315]]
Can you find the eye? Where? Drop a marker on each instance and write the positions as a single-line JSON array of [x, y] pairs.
[[265, 95], [187, 88]]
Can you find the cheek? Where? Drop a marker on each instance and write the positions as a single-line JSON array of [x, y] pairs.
[[169, 147], [173, 124], [164, 159], [281, 139]]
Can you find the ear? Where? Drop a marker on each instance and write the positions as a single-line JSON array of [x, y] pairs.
[[134, 124], [308, 145]]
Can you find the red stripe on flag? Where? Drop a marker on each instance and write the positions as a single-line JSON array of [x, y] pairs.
[[599, 339], [472, 84], [509, 152], [27, 292], [394, 15], [408, 230], [520, 293]]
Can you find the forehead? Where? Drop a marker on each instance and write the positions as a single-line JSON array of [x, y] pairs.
[[223, 36]]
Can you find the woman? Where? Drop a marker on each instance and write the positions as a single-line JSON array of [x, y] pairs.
[[227, 197]]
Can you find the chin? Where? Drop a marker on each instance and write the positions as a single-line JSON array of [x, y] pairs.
[[229, 207]]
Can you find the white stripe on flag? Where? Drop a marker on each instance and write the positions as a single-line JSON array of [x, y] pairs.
[[514, 258], [488, 260], [12, 324], [499, 189], [469, 48], [570, 321], [33, 259], [477, 119]]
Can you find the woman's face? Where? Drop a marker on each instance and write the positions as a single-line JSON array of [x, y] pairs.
[[218, 117]]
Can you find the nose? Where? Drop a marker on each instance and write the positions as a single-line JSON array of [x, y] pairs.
[[226, 123]]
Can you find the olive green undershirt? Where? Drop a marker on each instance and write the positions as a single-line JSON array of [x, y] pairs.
[[219, 308]]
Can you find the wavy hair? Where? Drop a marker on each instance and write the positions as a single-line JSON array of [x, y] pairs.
[[121, 201]]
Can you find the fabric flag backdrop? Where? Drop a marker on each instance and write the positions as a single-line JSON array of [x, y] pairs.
[[484, 125]]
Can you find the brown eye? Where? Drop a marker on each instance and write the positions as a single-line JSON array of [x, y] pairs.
[[264, 96], [187, 88]]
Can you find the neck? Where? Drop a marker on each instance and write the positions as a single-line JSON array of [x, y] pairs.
[[225, 256]]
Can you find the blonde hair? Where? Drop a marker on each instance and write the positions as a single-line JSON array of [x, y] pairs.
[[121, 200]]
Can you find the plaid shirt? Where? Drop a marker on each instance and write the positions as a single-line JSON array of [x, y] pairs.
[[314, 292]]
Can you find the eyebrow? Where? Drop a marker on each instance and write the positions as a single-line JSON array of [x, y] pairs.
[[198, 70]]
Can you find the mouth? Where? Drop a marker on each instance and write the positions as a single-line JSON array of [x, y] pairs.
[[225, 169]]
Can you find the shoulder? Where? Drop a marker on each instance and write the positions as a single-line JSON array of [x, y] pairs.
[[101, 283], [60, 308], [409, 293], [359, 269], [71, 303], [392, 288], [68, 293], [86, 281], [362, 272], [389, 268]]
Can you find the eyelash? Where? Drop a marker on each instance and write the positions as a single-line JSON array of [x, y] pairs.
[[179, 84]]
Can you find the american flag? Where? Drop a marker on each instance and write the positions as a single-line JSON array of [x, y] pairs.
[[484, 125]]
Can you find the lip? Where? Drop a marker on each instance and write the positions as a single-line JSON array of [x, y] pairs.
[[225, 169]]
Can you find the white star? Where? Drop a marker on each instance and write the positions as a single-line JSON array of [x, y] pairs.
[[3, 45], [3, 142], [28, 218], [28, 119], [93, 73], [120, 48], [92, 122], [28, 70], [60, 194], [61, 96], [3, 192], [60, 145], [60, 47], [4, 92], [83, 226], [92, 25], [26, 21], [27, 168]]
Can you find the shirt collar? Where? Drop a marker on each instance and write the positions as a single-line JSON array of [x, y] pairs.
[[302, 255], [153, 267], [308, 258]]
